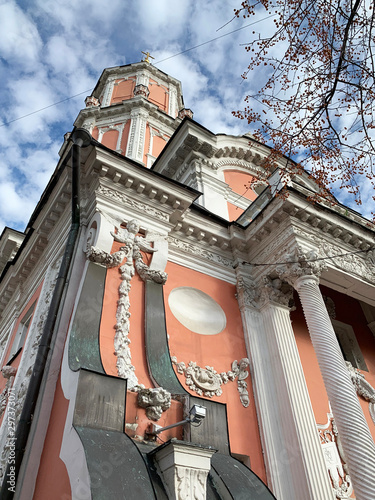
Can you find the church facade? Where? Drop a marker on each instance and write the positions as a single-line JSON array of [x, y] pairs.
[[171, 328]]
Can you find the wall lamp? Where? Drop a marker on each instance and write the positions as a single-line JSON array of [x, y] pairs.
[[196, 415]]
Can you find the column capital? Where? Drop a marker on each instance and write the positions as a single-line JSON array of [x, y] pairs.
[[300, 263], [276, 291], [247, 293], [269, 290]]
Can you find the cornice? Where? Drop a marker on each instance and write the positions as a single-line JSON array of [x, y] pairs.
[[123, 174], [312, 222], [33, 252], [126, 70], [345, 247], [122, 111]]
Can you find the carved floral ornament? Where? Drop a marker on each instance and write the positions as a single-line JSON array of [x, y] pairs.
[[335, 460], [128, 259], [270, 290], [363, 388], [301, 263], [207, 382], [333, 451], [8, 372]]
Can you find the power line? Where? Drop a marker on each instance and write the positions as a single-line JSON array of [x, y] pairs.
[[318, 259], [45, 107], [216, 38], [157, 62]]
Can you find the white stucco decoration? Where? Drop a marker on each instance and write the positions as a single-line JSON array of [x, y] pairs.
[[197, 311]]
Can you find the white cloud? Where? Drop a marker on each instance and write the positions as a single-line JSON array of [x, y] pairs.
[[163, 21], [14, 206], [53, 49], [20, 42]]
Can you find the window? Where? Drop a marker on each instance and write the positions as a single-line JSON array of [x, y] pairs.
[[349, 344], [20, 336]]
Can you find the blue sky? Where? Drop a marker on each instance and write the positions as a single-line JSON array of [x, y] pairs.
[[54, 49]]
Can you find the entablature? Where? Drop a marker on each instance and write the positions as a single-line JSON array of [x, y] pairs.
[[346, 248]]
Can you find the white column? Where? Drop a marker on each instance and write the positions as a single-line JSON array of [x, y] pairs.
[[355, 435], [293, 455]]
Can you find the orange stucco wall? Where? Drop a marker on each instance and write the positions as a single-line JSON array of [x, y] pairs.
[[123, 90], [158, 145], [95, 133], [233, 211], [159, 95], [349, 311], [110, 139], [239, 183], [52, 474], [218, 351]]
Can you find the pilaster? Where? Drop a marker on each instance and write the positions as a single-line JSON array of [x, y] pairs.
[[136, 141]]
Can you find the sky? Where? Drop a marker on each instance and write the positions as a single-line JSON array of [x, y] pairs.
[[51, 50]]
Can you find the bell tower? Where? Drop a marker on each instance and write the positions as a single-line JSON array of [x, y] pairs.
[[134, 110]]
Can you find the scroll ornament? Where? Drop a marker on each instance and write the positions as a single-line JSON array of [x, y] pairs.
[[362, 387], [207, 382], [128, 259]]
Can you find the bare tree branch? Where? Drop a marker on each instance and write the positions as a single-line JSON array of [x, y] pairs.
[[317, 99]]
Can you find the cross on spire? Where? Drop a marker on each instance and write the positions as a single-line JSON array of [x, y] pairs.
[[146, 59]]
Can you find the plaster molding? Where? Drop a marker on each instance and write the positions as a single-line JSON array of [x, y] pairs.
[[131, 251], [352, 263], [92, 102], [363, 388], [293, 457], [137, 133], [335, 459], [8, 372], [142, 90], [241, 165], [137, 205], [25, 369], [247, 294], [200, 252], [155, 401], [184, 469], [172, 101], [301, 263], [207, 382], [277, 291], [142, 78], [98, 233]]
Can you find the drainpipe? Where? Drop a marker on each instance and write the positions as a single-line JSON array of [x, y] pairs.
[[81, 139]]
